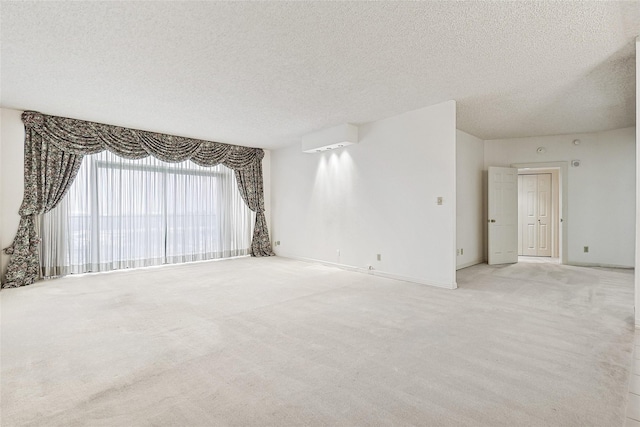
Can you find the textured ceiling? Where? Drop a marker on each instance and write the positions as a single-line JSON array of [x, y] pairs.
[[265, 73]]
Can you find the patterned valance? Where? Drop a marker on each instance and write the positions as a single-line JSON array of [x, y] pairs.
[[54, 149], [82, 137]]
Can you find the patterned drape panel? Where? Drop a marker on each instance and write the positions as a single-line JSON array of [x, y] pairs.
[[251, 188], [55, 146]]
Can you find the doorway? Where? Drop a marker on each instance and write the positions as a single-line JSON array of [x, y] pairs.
[[535, 217], [502, 199], [538, 200], [539, 218]]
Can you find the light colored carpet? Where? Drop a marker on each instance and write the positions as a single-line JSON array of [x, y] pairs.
[[279, 342]]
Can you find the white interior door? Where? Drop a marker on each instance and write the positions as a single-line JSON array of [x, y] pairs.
[[534, 195], [503, 215], [544, 215]]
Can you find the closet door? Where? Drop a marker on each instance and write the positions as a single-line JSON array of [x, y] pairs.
[[534, 195], [543, 247]]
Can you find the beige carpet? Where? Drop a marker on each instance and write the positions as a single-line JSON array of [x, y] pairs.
[[258, 342]]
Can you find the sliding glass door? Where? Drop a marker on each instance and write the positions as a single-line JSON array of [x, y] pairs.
[[122, 213]]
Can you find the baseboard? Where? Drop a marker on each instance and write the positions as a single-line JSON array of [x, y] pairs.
[[468, 264], [379, 273], [596, 264]]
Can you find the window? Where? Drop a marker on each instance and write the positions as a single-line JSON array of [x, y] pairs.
[[122, 213]]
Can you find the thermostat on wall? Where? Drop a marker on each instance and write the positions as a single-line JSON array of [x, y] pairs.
[[575, 163]]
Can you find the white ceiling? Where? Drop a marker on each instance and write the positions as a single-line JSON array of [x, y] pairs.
[[264, 73]]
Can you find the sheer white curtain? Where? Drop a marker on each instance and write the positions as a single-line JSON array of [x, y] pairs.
[[122, 213]]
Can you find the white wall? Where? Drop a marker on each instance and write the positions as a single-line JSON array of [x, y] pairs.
[[375, 197], [469, 198], [11, 178], [637, 260], [1, 202], [601, 191]]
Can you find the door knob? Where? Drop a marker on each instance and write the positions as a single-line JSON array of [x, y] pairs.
[[491, 220]]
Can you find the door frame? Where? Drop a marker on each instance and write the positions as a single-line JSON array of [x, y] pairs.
[[563, 168], [554, 203]]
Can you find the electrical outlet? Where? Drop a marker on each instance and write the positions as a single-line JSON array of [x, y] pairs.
[[586, 249], [277, 242], [461, 251], [379, 257], [439, 200]]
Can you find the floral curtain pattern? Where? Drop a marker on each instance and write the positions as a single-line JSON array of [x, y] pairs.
[[55, 146], [251, 188]]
